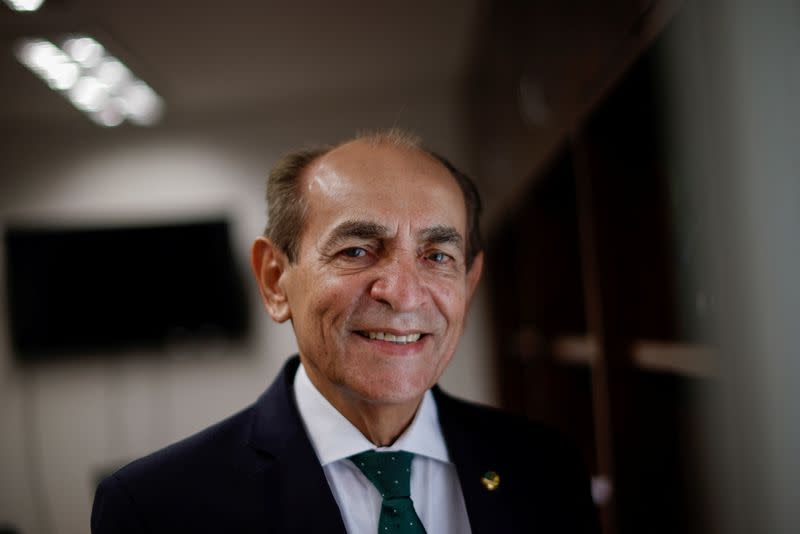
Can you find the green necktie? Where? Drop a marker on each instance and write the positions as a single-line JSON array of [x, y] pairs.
[[390, 473]]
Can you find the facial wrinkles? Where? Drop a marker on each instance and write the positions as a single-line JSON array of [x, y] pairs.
[[434, 281], [365, 313], [381, 191], [340, 196], [372, 314]]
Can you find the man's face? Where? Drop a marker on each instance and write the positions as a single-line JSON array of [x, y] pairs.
[[380, 289]]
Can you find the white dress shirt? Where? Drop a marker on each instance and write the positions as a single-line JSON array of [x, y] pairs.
[[435, 489]]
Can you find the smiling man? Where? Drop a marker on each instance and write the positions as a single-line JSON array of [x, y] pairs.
[[373, 253]]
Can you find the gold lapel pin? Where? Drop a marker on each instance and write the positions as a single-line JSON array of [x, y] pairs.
[[490, 480]]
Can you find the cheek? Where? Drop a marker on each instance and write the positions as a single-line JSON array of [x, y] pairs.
[[328, 302], [450, 300]]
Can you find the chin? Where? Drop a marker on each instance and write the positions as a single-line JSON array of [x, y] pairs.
[[392, 389]]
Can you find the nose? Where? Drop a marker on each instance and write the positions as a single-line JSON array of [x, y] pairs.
[[398, 285]]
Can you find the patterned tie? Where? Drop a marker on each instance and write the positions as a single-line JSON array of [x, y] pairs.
[[390, 473]]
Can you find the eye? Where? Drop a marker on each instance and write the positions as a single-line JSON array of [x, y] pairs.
[[354, 252], [439, 257]]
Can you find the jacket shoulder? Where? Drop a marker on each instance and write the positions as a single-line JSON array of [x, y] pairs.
[[539, 467], [216, 446], [503, 429], [188, 479]]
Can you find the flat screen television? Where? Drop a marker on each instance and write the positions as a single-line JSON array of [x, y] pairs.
[[111, 289]]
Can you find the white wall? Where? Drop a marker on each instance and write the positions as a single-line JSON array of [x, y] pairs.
[[62, 423]]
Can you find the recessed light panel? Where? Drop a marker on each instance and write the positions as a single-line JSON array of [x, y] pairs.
[[24, 5], [96, 82]]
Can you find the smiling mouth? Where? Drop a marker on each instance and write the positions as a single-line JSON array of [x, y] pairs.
[[392, 338]]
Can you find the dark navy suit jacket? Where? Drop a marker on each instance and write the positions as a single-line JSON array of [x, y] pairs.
[[257, 472]]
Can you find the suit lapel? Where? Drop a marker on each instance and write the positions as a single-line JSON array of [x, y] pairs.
[[296, 486], [473, 456], [291, 473]]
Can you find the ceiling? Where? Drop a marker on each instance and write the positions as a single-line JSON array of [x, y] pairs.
[[205, 57]]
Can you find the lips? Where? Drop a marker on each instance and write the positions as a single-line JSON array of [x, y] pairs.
[[400, 339]]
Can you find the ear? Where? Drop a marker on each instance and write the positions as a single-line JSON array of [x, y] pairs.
[[474, 275], [269, 265]]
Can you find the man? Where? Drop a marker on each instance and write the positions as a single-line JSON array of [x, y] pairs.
[[372, 252]]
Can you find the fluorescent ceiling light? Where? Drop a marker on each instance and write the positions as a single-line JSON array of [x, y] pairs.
[[84, 50], [96, 82], [24, 5], [50, 63], [88, 94]]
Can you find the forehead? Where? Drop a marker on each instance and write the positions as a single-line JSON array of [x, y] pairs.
[[392, 185]]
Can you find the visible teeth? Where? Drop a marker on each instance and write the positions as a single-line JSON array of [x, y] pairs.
[[383, 336]]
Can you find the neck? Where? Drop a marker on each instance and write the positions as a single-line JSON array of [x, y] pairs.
[[380, 422]]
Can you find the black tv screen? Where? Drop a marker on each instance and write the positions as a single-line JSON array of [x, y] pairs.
[[89, 290]]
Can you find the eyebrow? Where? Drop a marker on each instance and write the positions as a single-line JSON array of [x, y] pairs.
[[439, 234], [355, 229]]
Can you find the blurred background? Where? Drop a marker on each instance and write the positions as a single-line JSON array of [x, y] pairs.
[[638, 167]]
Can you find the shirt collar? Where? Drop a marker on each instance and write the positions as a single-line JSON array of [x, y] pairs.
[[335, 438]]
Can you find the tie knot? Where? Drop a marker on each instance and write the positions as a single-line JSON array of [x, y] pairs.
[[389, 472]]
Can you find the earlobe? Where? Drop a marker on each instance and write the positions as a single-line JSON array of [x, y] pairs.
[[269, 265]]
